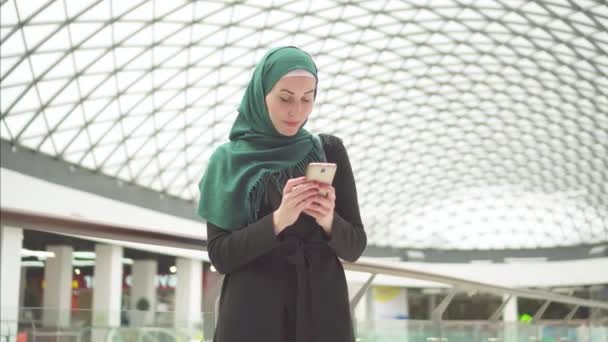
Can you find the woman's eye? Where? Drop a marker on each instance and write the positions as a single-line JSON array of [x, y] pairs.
[[305, 100], [284, 100]]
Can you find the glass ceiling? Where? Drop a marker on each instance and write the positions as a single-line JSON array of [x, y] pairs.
[[470, 124]]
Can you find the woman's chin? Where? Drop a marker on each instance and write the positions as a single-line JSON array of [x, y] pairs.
[[289, 132]]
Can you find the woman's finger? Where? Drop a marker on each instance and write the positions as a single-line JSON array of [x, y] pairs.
[[316, 212], [302, 188], [331, 196], [327, 201], [291, 183], [321, 207], [321, 202], [301, 196], [324, 202], [301, 206], [313, 213], [326, 190]]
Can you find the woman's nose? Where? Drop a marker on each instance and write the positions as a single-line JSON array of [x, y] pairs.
[[295, 109]]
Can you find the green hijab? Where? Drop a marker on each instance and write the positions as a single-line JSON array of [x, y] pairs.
[[235, 184]]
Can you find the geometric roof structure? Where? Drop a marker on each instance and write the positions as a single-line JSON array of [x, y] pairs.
[[469, 124]]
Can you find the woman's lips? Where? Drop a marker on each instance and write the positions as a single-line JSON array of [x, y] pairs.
[[291, 124]]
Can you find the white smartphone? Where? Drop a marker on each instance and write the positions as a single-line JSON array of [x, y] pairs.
[[321, 172]]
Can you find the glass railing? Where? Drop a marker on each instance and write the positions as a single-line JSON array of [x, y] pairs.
[[47, 324], [41, 324], [479, 331]]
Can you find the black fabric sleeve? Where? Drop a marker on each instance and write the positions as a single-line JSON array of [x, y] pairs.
[[348, 238], [229, 250]]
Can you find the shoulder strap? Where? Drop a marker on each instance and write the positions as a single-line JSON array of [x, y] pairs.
[[319, 144]]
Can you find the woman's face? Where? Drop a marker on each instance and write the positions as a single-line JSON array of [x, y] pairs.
[[290, 102]]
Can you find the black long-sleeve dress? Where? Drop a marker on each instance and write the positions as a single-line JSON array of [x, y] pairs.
[[290, 287]]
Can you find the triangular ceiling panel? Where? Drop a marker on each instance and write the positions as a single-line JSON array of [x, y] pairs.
[[467, 126]]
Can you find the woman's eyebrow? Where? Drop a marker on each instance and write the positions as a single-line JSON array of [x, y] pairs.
[[292, 93]]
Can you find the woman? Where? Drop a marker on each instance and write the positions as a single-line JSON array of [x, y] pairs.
[[269, 229]]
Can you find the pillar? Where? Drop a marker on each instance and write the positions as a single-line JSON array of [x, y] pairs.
[[143, 285], [11, 241], [370, 314], [22, 287], [107, 289], [510, 319], [57, 293], [188, 293], [432, 304]]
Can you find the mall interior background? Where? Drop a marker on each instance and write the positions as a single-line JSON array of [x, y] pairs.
[[477, 132]]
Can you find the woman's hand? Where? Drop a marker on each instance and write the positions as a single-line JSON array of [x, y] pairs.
[[322, 207], [298, 194]]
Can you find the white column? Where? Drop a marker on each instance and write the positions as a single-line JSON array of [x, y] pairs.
[[143, 285], [11, 241], [107, 289], [432, 304], [22, 286], [57, 293], [188, 293], [406, 314], [370, 311], [509, 317]]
